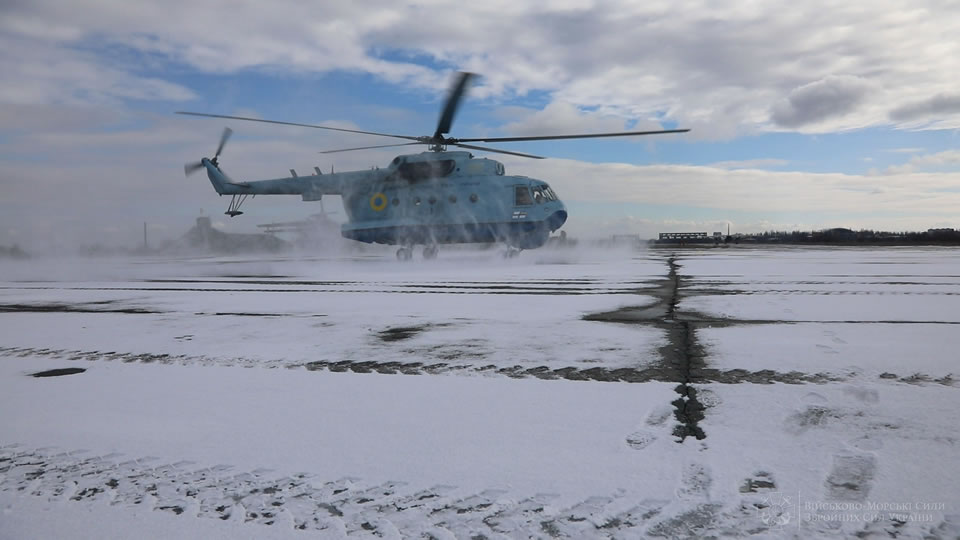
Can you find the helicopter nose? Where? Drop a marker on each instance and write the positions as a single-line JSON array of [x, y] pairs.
[[557, 219]]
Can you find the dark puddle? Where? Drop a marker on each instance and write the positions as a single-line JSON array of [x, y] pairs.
[[401, 333], [255, 314], [58, 372], [97, 307]]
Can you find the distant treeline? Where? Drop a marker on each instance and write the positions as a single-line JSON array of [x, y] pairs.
[[848, 236]]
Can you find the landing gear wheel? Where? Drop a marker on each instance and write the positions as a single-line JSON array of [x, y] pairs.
[[510, 253], [404, 254], [430, 252]]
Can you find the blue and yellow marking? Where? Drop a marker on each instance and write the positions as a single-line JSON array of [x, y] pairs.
[[378, 202]]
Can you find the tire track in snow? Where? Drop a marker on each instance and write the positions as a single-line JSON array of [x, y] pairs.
[[569, 373]]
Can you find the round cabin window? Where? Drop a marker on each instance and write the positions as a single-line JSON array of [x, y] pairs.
[[473, 197], [432, 200]]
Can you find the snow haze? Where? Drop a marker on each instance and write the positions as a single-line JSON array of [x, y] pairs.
[[803, 116]]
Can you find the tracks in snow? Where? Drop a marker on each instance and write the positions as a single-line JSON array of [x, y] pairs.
[[628, 375], [299, 501], [354, 507]]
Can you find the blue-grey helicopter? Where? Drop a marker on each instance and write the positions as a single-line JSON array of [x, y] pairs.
[[431, 198]]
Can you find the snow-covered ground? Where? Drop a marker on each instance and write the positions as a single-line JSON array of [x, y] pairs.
[[726, 392]]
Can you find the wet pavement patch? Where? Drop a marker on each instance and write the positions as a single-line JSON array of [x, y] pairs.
[[58, 372], [681, 357], [631, 314]]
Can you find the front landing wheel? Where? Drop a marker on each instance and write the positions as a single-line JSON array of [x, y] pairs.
[[404, 254]]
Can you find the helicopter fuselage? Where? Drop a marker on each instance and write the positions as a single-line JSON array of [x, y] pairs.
[[428, 198]]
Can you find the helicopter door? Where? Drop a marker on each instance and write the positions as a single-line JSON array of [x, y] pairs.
[[522, 196]]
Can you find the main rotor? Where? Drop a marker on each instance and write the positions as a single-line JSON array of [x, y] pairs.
[[438, 142]]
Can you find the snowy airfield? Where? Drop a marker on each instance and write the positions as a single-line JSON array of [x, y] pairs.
[[664, 393]]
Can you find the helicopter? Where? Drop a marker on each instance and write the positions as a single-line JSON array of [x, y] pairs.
[[435, 197]]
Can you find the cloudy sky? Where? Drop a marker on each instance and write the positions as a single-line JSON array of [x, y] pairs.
[[804, 114]]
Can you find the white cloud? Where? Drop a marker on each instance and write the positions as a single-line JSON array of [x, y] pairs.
[[721, 69], [910, 150], [559, 117], [928, 162], [748, 190], [761, 163], [936, 106], [37, 72], [825, 99]]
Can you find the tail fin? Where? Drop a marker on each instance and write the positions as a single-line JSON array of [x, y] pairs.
[[216, 176]]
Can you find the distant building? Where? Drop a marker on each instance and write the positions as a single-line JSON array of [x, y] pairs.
[[316, 232], [684, 238], [203, 237]]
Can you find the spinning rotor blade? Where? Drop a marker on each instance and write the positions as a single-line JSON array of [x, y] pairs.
[[191, 168], [409, 138], [227, 132], [486, 149], [453, 101], [369, 147], [581, 136]]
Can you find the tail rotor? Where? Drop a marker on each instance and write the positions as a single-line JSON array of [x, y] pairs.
[[227, 132], [191, 168]]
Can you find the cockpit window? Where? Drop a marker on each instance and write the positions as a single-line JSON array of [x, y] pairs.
[[523, 196], [543, 193]]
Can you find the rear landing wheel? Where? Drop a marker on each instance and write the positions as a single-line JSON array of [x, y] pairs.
[[404, 254], [430, 252]]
